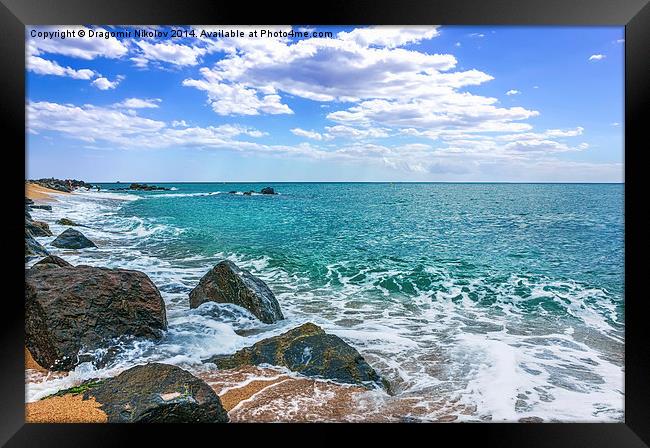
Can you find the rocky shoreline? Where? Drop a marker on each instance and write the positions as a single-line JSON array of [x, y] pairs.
[[72, 310]]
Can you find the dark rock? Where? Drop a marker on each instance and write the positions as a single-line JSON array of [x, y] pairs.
[[51, 261], [310, 351], [28, 215], [155, 393], [66, 185], [38, 228], [531, 420], [227, 283], [267, 190], [145, 187], [72, 239], [29, 201], [42, 207], [32, 247], [66, 222], [232, 192], [70, 308], [248, 193]]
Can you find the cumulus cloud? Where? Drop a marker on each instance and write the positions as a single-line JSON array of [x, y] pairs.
[[80, 47], [171, 53], [390, 37], [512, 92], [596, 57], [139, 103], [42, 66], [104, 84], [307, 134]]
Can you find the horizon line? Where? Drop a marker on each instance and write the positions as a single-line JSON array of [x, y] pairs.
[[346, 182]]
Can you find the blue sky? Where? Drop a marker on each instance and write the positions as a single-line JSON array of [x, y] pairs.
[[448, 103]]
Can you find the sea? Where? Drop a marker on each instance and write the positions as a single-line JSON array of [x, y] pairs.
[[480, 301]]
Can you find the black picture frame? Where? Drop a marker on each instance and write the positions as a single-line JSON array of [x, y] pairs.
[[633, 14]]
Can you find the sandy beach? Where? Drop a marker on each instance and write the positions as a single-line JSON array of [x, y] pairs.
[[39, 193]]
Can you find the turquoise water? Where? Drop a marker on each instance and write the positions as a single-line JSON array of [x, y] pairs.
[[507, 297]]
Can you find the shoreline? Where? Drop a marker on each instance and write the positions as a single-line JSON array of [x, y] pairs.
[[39, 193]]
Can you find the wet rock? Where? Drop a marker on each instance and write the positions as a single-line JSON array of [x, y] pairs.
[[66, 185], [29, 201], [310, 351], [68, 309], [42, 207], [66, 222], [37, 228], [33, 248], [227, 283], [72, 239], [51, 261], [267, 190], [145, 187], [248, 193], [157, 393]]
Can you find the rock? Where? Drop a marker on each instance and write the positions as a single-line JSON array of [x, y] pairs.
[[66, 222], [267, 190], [42, 207], [70, 308], [38, 228], [72, 239], [145, 187], [153, 393], [28, 215], [29, 201], [248, 193], [232, 192], [227, 283], [310, 351], [66, 185], [32, 247], [51, 261]]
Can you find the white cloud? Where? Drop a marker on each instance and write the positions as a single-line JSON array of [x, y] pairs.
[[171, 53], [104, 84], [479, 35], [513, 92], [307, 134], [457, 44], [596, 57], [356, 133], [179, 124], [615, 124], [389, 37], [42, 66], [620, 41], [79, 47], [139, 103]]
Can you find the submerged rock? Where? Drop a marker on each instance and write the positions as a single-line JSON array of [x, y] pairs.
[[310, 351], [51, 261], [42, 207], [227, 283], [32, 247], [72, 239], [155, 393], [267, 190], [70, 308], [66, 222], [37, 228]]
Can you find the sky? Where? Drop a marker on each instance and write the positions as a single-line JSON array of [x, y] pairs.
[[366, 104]]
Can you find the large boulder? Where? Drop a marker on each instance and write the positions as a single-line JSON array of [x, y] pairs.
[[227, 283], [51, 261], [33, 248], [72, 308], [310, 351], [267, 190], [37, 228], [154, 393], [72, 239], [145, 187]]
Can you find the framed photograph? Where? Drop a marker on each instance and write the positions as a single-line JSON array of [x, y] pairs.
[[360, 214]]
